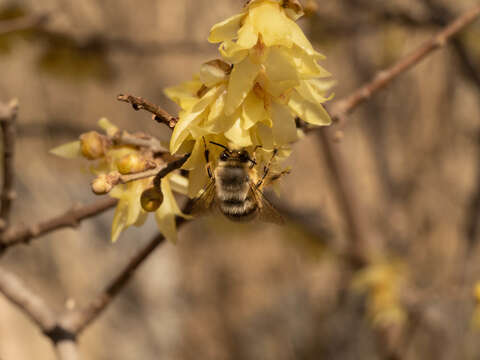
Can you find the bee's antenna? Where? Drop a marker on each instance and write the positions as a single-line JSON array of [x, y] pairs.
[[222, 146]]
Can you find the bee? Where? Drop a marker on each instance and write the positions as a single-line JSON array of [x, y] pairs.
[[235, 188]]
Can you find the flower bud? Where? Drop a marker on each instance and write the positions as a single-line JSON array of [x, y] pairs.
[[151, 199], [293, 9], [214, 72], [132, 163], [93, 145], [102, 185]]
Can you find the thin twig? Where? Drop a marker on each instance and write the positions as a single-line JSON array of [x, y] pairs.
[[8, 115], [139, 140], [177, 164], [23, 23], [71, 218], [159, 114], [108, 181], [385, 77]]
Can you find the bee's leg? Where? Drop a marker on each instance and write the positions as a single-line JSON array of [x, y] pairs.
[[266, 169], [254, 157], [207, 159], [275, 177]]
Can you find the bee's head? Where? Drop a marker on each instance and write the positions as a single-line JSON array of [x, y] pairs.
[[237, 155]]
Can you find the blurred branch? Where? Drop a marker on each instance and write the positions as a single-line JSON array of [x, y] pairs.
[[441, 15], [8, 115], [71, 218], [79, 320], [23, 23], [347, 199], [29, 302], [383, 78], [159, 114], [34, 307]]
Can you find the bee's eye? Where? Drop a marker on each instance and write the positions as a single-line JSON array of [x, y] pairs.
[[244, 156], [224, 156]]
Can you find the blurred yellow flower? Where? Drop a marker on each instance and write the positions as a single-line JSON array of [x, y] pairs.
[[382, 283], [112, 158]]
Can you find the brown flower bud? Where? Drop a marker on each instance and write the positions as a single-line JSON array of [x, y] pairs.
[[151, 199], [102, 184], [93, 145]]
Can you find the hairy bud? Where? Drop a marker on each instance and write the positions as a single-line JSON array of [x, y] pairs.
[[151, 199], [102, 184], [93, 145]]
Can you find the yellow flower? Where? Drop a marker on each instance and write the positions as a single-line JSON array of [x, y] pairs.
[[270, 50], [112, 158], [274, 78], [382, 283]]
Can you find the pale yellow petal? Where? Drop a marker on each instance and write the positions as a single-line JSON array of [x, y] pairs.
[[133, 193], [299, 38], [279, 65], [119, 219], [312, 113], [284, 129], [238, 135], [166, 213], [233, 52], [313, 91], [272, 23], [184, 94], [211, 75], [265, 135], [223, 123], [181, 131], [216, 110], [196, 157], [307, 65], [197, 179], [241, 82], [69, 150], [253, 111], [247, 35], [226, 30]]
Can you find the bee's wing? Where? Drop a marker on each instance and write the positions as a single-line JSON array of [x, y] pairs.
[[266, 210], [203, 203]]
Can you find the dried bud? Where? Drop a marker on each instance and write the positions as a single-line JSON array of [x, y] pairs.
[[93, 145], [151, 199], [102, 184]]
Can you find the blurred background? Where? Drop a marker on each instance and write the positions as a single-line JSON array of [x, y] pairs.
[[412, 155]]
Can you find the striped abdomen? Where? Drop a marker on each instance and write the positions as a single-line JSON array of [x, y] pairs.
[[234, 197]]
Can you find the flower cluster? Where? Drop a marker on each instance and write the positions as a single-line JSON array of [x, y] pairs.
[[267, 79], [269, 76], [122, 168]]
